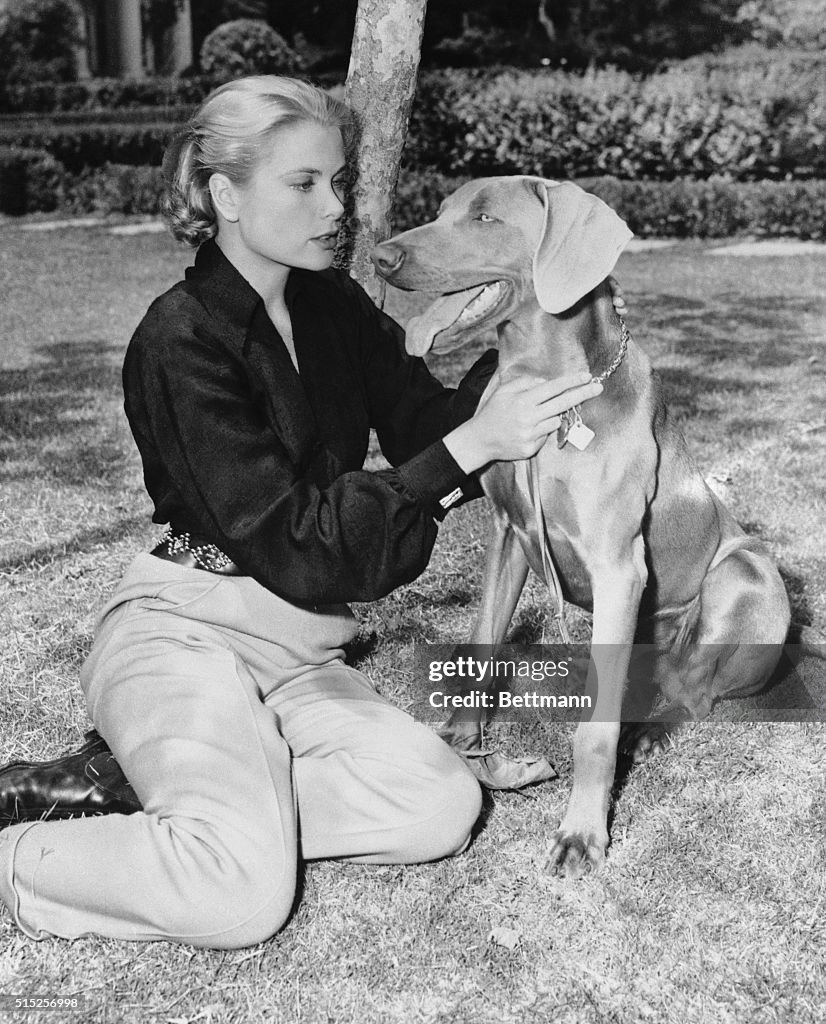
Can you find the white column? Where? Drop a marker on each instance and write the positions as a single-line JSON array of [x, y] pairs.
[[180, 39], [82, 46], [130, 38]]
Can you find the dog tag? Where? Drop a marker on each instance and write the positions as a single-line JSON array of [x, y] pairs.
[[580, 436], [574, 430]]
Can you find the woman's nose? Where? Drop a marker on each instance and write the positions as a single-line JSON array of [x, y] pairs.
[[334, 204]]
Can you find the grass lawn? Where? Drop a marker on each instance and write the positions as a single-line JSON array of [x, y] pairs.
[[712, 905]]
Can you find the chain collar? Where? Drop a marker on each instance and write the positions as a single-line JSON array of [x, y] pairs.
[[625, 337]]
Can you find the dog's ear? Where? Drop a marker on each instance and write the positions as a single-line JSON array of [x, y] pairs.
[[580, 243]]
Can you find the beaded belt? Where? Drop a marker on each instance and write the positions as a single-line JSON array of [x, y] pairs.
[[195, 553]]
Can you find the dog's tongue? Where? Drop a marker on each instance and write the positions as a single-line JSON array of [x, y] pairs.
[[445, 311]]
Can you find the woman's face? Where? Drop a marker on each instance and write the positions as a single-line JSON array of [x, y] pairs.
[[290, 211]]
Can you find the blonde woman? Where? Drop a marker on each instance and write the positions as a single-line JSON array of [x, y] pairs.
[[217, 676]]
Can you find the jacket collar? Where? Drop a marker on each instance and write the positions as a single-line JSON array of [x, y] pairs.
[[228, 297], [224, 291]]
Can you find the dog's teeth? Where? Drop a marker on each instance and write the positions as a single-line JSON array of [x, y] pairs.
[[480, 301]]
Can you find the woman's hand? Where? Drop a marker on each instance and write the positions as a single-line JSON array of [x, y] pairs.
[[515, 417]]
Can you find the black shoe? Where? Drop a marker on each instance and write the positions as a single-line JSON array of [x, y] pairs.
[[88, 781]]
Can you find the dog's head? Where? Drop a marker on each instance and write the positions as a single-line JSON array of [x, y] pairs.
[[497, 244]]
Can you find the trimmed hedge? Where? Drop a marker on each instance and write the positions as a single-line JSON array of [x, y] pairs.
[[25, 122], [113, 188], [116, 93], [93, 145], [678, 209], [683, 209], [102, 93], [756, 58]]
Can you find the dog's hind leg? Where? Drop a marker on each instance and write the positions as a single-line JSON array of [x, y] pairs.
[[739, 637]]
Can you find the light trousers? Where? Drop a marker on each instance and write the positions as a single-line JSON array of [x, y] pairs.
[[249, 742]]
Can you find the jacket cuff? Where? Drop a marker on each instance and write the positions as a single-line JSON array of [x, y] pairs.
[[437, 481]]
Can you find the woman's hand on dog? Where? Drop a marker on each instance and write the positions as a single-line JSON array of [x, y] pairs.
[[515, 416]]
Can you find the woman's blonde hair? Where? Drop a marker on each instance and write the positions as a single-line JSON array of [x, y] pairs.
[[227, 135]]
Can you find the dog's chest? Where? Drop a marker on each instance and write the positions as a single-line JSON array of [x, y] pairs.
[[510, 486]]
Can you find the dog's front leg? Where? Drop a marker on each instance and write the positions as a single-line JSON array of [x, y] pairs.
[[580, 843], [506, 570]]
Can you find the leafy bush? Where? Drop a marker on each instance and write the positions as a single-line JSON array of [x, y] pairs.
[[107, 93], [247, 46], [745, 125], [113, 188], [755, 58], [37, 41], [118, 94], [92, 145], [83, 118], [30, 180], [683, 209]]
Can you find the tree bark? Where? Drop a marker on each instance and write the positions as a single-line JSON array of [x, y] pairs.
[[380, 86]]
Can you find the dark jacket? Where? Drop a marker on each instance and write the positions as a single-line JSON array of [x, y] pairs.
[[266, 464]]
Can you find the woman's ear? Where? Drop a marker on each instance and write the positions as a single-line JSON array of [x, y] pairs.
[[224, 197]]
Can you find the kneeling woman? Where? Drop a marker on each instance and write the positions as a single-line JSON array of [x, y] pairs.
[[217, 675]]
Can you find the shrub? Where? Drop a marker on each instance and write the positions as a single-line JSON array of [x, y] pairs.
[[118, 94], [745, 125], [114, 188], [113, 93], [683, 209], [92, 145], [38, 40], [124, 116], [247, 46], [30, 181]]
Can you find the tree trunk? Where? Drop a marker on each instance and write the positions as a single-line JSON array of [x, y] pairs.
[[380, 85]]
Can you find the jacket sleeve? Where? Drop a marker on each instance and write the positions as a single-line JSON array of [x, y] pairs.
[[310, 535]]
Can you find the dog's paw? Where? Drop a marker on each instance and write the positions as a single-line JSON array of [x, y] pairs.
[[645, 740], [574, 855]]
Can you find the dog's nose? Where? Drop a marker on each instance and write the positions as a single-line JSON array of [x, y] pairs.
[[387, 258]]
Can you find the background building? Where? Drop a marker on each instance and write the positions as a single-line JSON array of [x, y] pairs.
[[120, 40]]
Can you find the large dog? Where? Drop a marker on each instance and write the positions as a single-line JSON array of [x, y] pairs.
[[612, 512]]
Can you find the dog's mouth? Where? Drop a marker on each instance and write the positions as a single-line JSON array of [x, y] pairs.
[[452, 315]]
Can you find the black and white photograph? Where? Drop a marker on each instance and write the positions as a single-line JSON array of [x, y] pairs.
[[412, 511]]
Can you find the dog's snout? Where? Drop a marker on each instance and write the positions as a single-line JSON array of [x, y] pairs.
[[387, 258]]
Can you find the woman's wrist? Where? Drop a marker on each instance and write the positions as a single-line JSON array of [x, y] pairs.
[[467, 448]]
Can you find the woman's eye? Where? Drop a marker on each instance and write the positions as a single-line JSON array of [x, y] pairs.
[[486, 218], [303, 186]]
